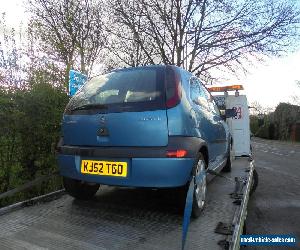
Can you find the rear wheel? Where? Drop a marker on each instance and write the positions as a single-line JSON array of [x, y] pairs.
[[79, 189], [199, 195]]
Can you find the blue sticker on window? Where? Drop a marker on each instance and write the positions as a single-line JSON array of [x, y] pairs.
[[76, 81]]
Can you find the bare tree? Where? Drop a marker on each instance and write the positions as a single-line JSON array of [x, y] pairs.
[[124, 47], [71, 31], [203, 34]]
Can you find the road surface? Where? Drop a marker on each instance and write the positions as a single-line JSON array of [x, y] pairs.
[[275, 206]]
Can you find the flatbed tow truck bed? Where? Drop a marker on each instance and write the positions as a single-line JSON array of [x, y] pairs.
[[124, 218]]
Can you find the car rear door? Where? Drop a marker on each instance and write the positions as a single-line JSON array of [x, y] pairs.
[[218, 126], [222, 132], [205, 120]]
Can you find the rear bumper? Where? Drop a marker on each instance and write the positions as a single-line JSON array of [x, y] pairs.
[[191, 144], [142, 172]]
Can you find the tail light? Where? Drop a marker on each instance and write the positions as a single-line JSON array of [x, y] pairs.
[[173, 87], [179, 153]]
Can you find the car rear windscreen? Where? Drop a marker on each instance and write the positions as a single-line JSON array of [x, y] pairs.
[[133, 89]]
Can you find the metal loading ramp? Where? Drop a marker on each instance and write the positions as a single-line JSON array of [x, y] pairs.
[[122, 218]]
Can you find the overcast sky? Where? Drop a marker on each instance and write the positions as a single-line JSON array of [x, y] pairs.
[[268, 83]]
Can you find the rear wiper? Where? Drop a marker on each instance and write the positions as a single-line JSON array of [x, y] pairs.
[[90, 106]]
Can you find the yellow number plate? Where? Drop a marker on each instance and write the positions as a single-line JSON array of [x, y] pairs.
[[107, 168]]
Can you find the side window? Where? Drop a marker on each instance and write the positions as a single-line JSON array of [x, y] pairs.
[[204, 91], [215, 107], [196, 93], [211, 102]]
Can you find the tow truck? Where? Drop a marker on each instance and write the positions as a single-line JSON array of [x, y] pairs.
[[126, 218]]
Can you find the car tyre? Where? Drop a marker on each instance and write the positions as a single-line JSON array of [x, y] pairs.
[[79, 189], [199, 196]]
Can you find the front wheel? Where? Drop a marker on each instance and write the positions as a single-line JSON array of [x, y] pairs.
[[79, 189], [199, 196]]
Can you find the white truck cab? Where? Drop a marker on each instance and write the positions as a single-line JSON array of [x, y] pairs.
[[239, 125]]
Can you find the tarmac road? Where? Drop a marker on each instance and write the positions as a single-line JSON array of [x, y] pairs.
[[275, 206]]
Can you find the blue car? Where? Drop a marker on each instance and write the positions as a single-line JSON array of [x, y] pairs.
[[152, 126]]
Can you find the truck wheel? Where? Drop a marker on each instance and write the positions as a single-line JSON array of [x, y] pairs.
[[199, 195], [79, 189], [227, 167]]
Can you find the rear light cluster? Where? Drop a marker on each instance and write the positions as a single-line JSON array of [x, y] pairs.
[[179, 153], [173, 87]]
